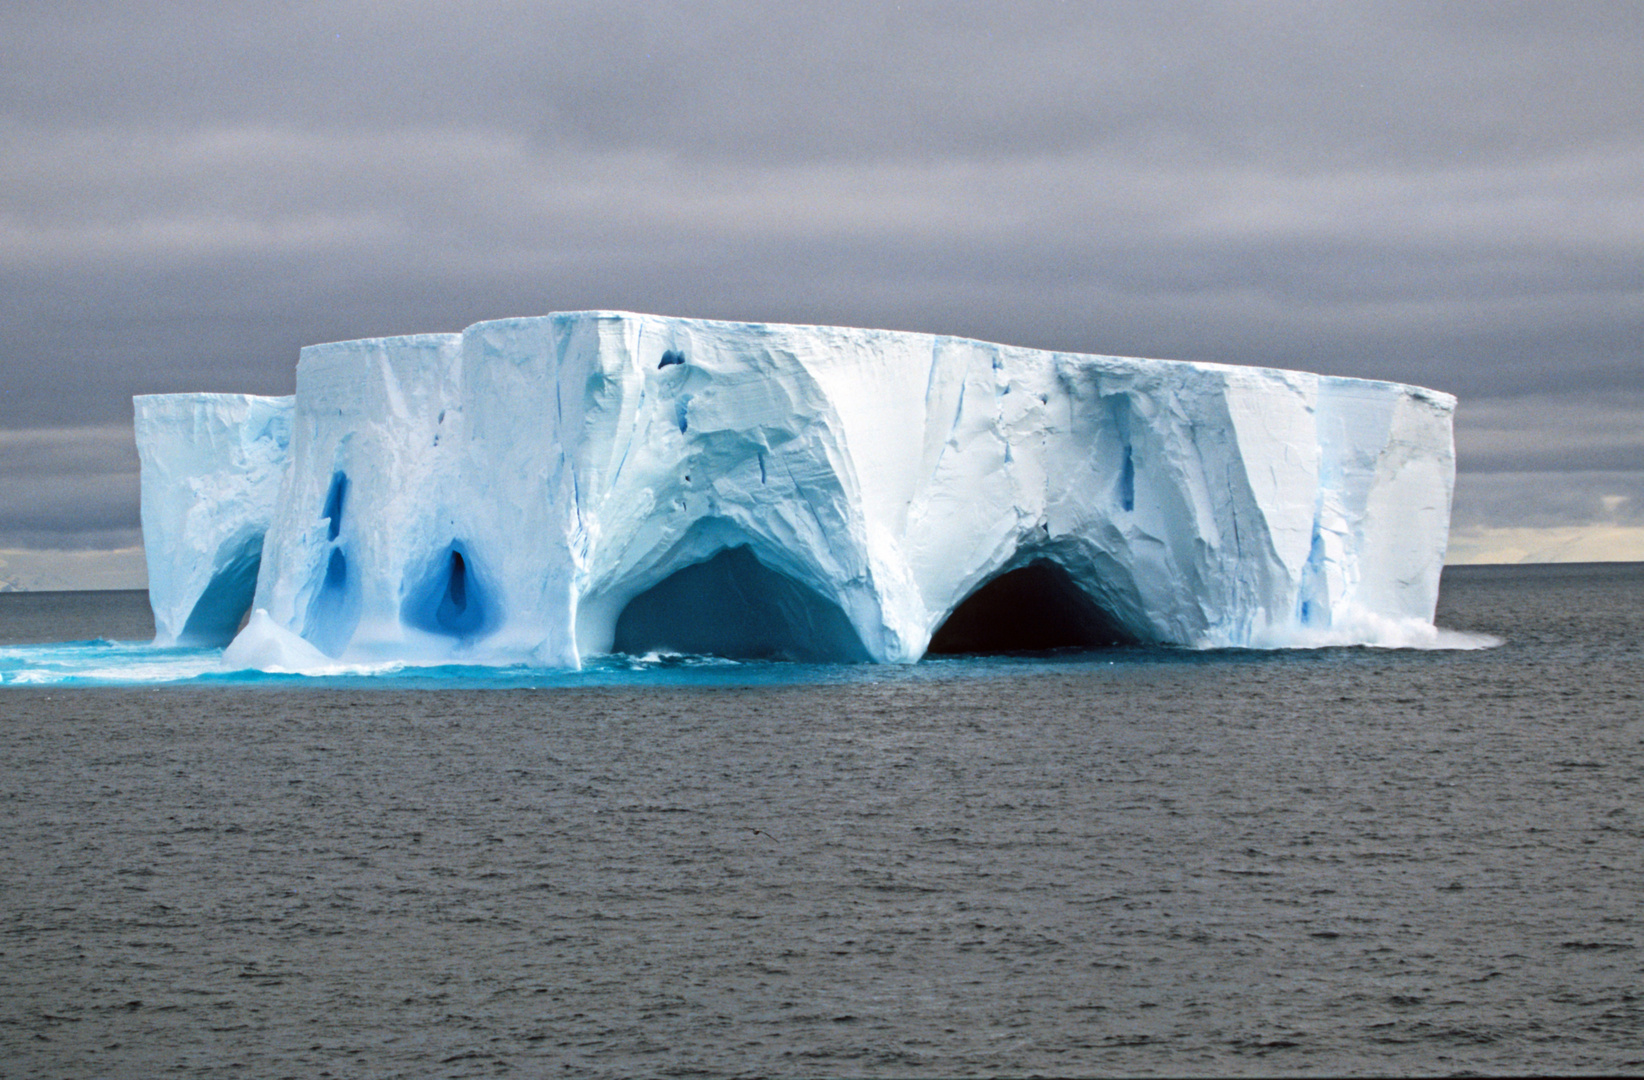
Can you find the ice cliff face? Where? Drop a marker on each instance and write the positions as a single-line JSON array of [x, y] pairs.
[[211, 468], [551, 488]]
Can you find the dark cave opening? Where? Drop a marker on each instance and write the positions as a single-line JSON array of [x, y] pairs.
[[1034, 608], [450, 600], [734, 606]]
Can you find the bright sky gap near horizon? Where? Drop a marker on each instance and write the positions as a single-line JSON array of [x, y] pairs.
[[1444, 194]]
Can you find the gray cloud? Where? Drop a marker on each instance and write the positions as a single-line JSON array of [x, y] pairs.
[[1295, 81], [1358, 272], [1549, 499], [72, 489], [1548, 431]]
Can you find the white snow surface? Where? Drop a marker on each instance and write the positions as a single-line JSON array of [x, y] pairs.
[[546, 489]]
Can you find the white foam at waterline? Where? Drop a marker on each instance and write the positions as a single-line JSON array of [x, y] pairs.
[[657, 658], [119, 662], [1370, 630]]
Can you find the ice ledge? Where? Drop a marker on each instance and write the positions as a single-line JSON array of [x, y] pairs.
[[554, 487]]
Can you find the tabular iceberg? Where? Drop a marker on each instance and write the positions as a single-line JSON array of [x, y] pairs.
[[546, 489]]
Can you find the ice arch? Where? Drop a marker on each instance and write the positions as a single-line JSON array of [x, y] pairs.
[[1029, 609], [735, 606], [226, 600]]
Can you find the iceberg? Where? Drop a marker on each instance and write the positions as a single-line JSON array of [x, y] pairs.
[[542, 490]]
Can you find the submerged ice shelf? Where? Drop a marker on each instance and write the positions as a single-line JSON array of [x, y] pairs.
[[542, 490]]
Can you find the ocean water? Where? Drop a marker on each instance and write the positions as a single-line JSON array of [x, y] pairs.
[[1132, 861]]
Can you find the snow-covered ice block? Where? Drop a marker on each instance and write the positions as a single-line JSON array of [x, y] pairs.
[[211, 471], [365, 518], [547, 489]]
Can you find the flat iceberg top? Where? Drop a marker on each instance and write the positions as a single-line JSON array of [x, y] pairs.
[[545, 489], [733, 329]]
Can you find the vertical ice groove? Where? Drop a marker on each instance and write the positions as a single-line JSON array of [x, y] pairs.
[[527, 461]]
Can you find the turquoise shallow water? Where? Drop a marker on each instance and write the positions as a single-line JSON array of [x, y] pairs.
[[101, 662], [79, 639], [1130, 861]]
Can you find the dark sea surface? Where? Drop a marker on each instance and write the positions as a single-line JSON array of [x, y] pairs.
[[1132, 861]]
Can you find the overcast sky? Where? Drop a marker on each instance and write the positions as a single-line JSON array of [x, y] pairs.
[[1451, 195]]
